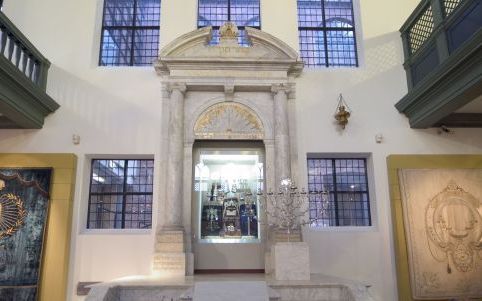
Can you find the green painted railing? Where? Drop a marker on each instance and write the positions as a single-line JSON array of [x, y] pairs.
[[435, 30], [17, 51]]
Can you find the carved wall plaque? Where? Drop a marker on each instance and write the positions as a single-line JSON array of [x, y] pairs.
[[443, 225], [229, 120]]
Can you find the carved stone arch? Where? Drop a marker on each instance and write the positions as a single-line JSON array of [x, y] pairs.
[[229, 121]]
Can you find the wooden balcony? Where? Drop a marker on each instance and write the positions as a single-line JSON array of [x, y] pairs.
[[24, 102], [443, 63]]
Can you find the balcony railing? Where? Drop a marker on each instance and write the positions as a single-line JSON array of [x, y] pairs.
[[434, 31], [24, 102], [442, 41], [17, 50]]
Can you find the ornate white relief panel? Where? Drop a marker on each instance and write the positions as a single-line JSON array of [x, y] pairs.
[[443, 225]]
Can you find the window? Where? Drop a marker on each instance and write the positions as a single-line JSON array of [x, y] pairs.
[[217, 12], [130, 32], [120, 194], [327, 33], [345, 199]]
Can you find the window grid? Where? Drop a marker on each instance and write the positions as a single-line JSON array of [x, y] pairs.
[[120, 194], [345, 201], [215, 13], [327, 33], [130, 32]]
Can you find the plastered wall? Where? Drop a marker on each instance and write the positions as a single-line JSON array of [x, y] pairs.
[[117, 110]]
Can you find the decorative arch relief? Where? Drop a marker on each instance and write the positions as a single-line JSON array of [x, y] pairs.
[[228, 120]]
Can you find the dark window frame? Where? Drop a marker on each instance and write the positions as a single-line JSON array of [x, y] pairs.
[[216, 28], [133, 28], [324, 29], [333, 216], [124, 195]]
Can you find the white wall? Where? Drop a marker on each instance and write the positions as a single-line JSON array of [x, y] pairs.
[[117, 110]]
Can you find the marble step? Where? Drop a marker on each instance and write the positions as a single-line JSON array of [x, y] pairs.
[[173, 263], [169, 247]]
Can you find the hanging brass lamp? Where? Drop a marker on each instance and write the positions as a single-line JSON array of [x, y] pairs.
[[342, 112]]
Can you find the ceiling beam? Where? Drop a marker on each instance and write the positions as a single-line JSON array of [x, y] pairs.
[[462, 120]]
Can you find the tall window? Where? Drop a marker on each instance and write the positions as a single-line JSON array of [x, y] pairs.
[[217, 12], [120, 194], [345, 199], [130, 32], [327, 33]]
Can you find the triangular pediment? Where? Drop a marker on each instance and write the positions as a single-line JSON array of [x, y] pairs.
[[192, 51]]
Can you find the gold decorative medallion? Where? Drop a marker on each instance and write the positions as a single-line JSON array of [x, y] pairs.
[[12, 213], [228, 31]]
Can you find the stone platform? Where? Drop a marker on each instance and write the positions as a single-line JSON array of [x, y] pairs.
[[142, 288]]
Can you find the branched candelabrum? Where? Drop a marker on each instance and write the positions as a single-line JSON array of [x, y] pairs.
[[287, 209]]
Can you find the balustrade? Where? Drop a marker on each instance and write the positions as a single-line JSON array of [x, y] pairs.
[[434, 31], [17, 51]]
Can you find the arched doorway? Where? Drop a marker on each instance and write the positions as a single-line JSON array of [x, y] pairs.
[[226, 212], [228, 171]]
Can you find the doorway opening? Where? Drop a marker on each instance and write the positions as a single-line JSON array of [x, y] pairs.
[[227, 234]]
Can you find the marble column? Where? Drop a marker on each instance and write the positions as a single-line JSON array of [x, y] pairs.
[[281, 132], [174, 197], [170, 257]]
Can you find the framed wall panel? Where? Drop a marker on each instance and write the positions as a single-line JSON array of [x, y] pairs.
[[24, 204], [56, 249], [396, 163]]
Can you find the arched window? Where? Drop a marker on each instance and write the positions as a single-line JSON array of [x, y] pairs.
[[216, 12], [130, 32], [327, 33]]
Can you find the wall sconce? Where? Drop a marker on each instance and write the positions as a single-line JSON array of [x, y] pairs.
[[75, 139], [342, 112]]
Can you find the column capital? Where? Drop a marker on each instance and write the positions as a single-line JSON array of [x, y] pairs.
[[181, 87], [277, 88]]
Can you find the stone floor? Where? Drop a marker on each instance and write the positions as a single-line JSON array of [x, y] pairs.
[[149, 288]]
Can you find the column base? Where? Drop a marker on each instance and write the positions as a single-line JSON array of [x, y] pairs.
[[170, 264], [291, 261], [169, 257], [169, 228]]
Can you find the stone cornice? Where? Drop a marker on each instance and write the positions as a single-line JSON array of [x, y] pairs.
[[259, 37], [191, 53]]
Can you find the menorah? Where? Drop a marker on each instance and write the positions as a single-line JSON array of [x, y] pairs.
[[287, 209]]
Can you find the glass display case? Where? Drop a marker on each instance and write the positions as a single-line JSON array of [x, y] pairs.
[[226, 183]]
